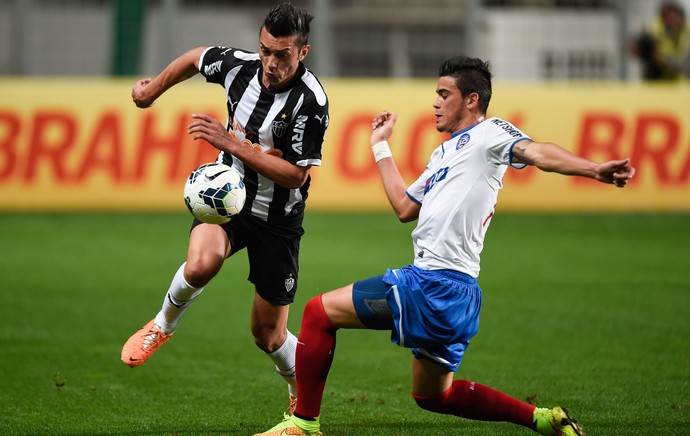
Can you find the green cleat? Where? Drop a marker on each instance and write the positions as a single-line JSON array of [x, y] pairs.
[[555, 422], [293, 425]]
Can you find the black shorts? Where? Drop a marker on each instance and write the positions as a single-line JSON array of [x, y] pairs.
[[273, 253]]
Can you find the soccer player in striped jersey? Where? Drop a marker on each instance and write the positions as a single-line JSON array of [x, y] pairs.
[[277, 119], [432, 305]]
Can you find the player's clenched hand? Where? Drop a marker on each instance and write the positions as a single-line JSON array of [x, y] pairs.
[[382, 127], [139, 94], [617, 172], [210, 130]]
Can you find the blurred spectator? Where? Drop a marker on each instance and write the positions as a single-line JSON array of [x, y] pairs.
[[664, 49]]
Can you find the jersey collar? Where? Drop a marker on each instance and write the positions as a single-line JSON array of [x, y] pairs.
[[462, 131]]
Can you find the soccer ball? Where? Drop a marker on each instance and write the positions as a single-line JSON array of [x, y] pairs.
[[214, 193]]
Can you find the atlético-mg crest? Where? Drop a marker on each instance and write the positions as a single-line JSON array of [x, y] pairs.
[[289, 283], [279, 128]]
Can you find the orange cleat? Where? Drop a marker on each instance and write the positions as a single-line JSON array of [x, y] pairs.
[[142, 344]]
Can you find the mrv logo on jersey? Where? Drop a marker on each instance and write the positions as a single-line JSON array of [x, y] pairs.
[[300, 123], [212, 68]]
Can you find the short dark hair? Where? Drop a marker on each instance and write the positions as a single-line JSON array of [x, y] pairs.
[[285, 19], [471, 75]]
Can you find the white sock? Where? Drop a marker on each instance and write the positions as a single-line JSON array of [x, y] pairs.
[[284, 359], [179, 296]]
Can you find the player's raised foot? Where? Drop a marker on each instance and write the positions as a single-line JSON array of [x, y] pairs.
[[556, 422], [293, 425], [142, 344]]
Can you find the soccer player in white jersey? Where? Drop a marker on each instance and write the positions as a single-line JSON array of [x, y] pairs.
[[277, 119], [432, 306]]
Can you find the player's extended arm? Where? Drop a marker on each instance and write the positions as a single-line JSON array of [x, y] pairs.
[[146, 91], [393, 183], [552, 158], [275, 168]]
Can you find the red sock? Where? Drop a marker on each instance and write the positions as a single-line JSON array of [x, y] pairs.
[[315, 349], [474, 401]]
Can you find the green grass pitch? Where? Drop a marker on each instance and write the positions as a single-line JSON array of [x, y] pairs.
[[588, 311]]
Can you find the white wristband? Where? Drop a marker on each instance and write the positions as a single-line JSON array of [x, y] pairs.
[[381, 150]]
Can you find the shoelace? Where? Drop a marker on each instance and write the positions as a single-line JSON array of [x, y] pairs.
[[291, 408], [151, 339]]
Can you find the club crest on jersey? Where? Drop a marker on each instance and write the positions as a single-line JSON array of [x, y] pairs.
[[289, 283], [462, 141], [279, 128]]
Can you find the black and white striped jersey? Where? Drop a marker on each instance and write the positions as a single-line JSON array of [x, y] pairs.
[[290, 123]]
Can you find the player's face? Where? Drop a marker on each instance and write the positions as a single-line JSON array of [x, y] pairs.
[[448, 106], [280, 58]]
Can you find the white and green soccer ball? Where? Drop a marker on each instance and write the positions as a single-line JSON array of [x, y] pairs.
[[214, 193]]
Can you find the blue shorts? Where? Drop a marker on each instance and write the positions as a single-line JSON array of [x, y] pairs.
[[434, 313]]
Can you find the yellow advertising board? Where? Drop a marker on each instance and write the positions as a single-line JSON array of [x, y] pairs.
[[82, 144]]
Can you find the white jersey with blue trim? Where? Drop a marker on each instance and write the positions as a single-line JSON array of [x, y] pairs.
[[458, 192]]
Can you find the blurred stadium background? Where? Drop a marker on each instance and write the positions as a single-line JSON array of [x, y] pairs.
[[563, 72], [526, 39]]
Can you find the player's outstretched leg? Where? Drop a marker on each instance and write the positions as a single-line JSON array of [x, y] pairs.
[[556, 421], [142, 344], [479, 402]]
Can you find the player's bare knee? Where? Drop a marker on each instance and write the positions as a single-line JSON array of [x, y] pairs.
[[201, 269], [267, 339]]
